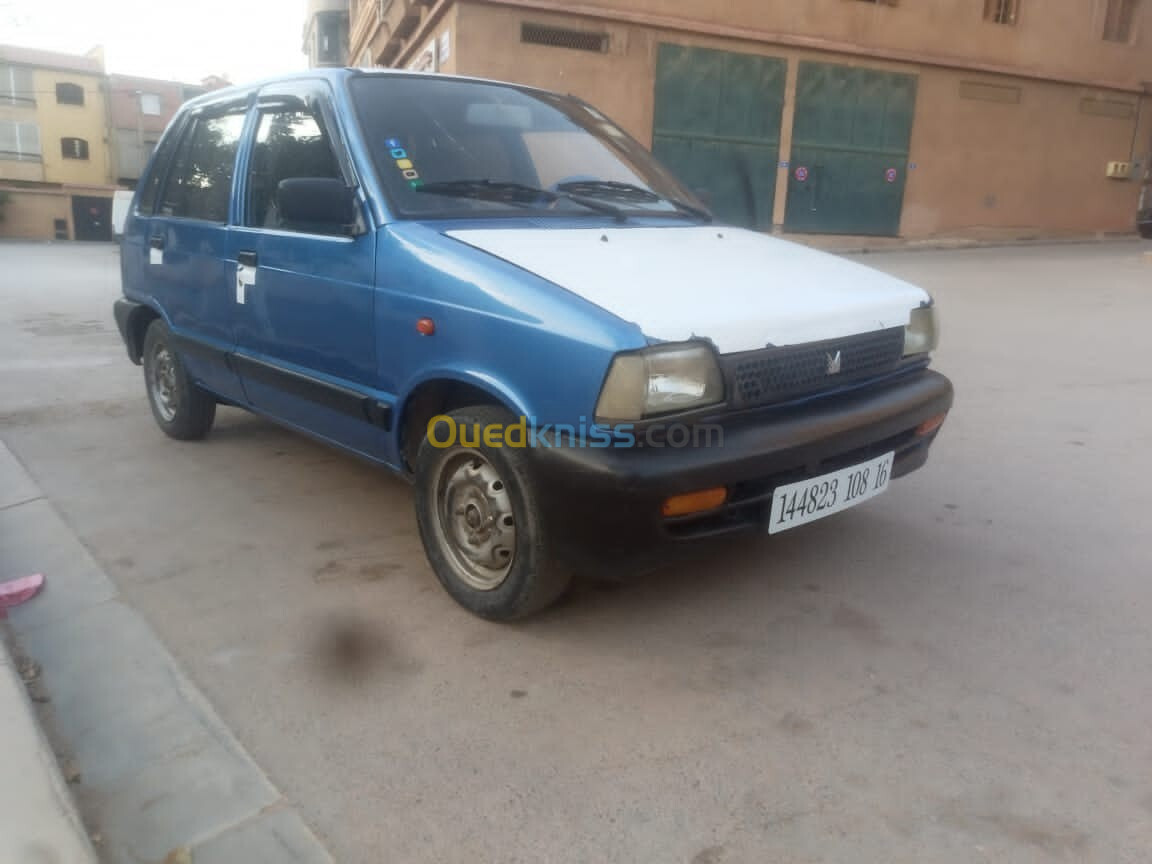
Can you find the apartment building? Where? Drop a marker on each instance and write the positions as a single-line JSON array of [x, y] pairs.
[[55, 164], [881, 117], [139, 111]]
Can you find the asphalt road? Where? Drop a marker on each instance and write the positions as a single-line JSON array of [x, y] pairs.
[[958, 671]]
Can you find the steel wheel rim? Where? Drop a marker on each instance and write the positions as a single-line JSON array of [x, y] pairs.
[[163, 382], [475, 525]]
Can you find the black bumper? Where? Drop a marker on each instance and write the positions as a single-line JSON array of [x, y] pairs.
[[614, 497]]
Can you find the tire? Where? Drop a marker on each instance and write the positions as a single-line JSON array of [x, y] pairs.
[[1146, 230], [182, 410], [511, 570]]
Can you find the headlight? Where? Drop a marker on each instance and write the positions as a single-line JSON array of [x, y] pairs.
[[922, 332], [660, 380]]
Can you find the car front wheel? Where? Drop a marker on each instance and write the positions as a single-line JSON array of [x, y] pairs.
[[480, 521]]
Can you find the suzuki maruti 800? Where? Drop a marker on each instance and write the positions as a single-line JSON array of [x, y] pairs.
[[497, 293]]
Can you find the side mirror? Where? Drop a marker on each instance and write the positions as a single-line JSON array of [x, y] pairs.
[[323, 204]]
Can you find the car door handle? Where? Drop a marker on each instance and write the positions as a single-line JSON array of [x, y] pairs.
[[156, 241], [246, 258]]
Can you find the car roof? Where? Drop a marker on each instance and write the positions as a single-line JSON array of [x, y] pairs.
[[336, 76]]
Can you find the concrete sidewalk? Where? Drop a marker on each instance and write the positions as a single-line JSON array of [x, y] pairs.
[[155, 769], [38, 819], [849, 244]]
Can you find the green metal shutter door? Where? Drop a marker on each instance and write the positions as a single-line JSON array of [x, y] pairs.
[[852, 128], [717, 127]]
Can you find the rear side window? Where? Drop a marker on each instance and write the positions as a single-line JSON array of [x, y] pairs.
[[150, 185], [199, 184], [289, 144]]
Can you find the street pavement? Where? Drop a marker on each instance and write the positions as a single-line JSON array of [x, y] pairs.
[[155, 772], [955, 672]]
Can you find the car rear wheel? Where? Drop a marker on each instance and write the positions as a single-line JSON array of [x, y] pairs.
[[182, 410], [482, 529]]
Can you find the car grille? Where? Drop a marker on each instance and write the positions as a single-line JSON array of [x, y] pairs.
[[771, 375]]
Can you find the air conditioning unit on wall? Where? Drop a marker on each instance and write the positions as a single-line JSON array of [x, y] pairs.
[[1119, 170]]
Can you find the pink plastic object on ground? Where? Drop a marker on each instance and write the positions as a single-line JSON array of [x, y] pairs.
[[16, 591]]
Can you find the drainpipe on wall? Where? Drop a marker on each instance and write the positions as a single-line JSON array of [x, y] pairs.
[[112, 159], [138, 168], [1133, 155], [1142, 177]]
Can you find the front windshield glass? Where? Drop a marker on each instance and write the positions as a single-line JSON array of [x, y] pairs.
[[445, 148]]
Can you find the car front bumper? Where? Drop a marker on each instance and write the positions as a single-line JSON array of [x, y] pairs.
[[604, 498]]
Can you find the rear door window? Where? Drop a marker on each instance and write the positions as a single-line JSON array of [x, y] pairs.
[[199, 185], [150, 186]]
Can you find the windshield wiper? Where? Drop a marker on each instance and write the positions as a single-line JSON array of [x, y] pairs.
[[508, 192], [631, 192]]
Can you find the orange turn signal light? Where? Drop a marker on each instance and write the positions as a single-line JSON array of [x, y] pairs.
[[930, 425], [695, 502], [425, 326]]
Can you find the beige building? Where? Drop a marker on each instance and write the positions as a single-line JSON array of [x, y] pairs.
[[55, 163], [909, 117]]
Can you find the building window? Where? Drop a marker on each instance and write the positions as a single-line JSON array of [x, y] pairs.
[[16, 86], [1118, 20], [561, 37], [74, 148], [1002, 11], [150, 104], [990, 92], [19, 142], [69, 94], [1120, 109], [331, 48]]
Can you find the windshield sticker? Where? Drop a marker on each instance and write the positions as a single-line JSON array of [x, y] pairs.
[[404, 162]]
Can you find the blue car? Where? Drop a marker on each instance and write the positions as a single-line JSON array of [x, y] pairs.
[[498, 294]]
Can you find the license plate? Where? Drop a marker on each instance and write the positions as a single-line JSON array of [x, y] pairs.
[[809, 500]]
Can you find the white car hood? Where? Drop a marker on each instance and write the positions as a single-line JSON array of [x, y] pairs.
[[740, 289]]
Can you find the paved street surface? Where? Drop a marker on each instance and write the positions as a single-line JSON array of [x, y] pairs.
[[958, 671]]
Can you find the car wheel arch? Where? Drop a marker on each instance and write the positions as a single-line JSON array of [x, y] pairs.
[[439, 395], [139, 321]]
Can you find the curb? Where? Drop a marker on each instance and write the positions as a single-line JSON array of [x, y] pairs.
[[944, 244], [38, 818], [159, 775]]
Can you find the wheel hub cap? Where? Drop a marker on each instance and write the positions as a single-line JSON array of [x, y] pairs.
[[476, 524], [163, 387]]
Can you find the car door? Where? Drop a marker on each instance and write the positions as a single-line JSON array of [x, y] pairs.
[[305, 293], [188, 265]]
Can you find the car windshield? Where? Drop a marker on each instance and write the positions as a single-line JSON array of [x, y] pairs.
[[446, 147]]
